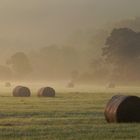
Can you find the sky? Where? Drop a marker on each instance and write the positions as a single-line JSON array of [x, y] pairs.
[[35, 23]]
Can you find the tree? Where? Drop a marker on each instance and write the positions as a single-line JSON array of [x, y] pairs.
[[123, 52], [133, 23], [20, 64]]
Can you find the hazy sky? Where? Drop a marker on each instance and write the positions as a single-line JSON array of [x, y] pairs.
[[41, 22]]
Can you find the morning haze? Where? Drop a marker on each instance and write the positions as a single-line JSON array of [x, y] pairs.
[[59, 39], [47, 21], [69, 68]]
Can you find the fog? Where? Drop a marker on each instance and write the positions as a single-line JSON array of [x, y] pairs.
[[41, 22], [53, 40]]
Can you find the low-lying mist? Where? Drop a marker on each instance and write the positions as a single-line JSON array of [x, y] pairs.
[[107, 55]]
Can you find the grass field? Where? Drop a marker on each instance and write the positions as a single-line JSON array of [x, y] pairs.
[[71, 115]]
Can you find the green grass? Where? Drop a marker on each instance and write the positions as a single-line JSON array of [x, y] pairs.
[[68, 116]]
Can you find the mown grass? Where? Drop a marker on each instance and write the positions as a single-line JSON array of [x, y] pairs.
[[68, 116]]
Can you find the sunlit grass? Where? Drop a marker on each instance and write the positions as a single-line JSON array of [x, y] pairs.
[[69, 116]]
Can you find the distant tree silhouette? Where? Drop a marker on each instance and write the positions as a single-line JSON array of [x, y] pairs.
[[123, 52], [20, 64]]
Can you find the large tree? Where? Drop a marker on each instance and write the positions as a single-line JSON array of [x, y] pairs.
[[122, 51], [20, 64]]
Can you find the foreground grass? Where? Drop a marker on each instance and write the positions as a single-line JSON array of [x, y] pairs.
[[68, 116]]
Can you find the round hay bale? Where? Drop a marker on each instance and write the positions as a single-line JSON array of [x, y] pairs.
[[21, 91], [122, 108], [70, 85], [46, 92], [7, 84], [111, 85]]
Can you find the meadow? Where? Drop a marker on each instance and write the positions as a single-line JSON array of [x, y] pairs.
[[74, 114]]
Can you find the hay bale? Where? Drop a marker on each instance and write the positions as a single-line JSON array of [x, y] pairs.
[[7, 84], [122, 108], [70, 85], [111, 85], [21, 91], [46, 92]]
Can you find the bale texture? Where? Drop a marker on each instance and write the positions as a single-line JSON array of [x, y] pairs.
[[122, 108], [46, 92], [21, 91]]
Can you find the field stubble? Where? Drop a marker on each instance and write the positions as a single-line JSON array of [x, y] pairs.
[[68, 116]]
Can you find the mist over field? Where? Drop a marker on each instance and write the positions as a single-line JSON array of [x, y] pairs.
[[82, 41]]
